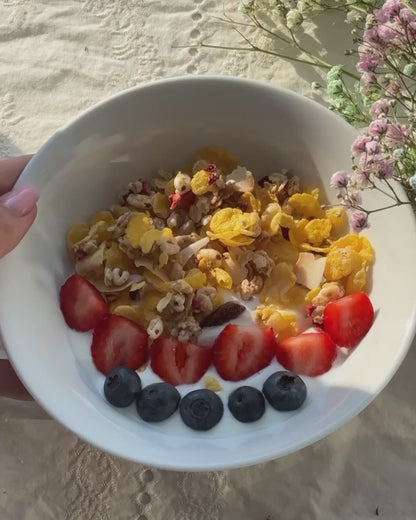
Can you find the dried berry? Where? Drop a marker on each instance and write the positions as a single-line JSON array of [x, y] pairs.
[[224, 313]]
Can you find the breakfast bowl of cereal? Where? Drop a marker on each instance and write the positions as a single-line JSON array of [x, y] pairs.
[[191, 296]]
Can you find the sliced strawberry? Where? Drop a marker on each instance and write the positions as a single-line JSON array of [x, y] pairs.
[[82, 305], [240, 351], [118, 341], [178, 362], [310, 354], [348, 319]]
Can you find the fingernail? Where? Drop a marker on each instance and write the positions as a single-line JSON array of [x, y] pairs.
[[21, 200]]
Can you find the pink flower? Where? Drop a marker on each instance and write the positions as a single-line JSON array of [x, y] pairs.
[[406, 16], [385, 169], [378, 127], [394, 88], [381, 15], [392, 8], [339, 180], [358, 221], [380, 107], [358, 146], [360, 180], [387, 32], [368, 63], [397, 134], [367, 82], [372, 147], [371, 37]]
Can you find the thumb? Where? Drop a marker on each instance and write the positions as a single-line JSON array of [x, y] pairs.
[[17, 213]]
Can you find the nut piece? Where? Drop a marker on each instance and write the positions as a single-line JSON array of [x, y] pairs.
[[240, 180], [226, 312], [155, 327]]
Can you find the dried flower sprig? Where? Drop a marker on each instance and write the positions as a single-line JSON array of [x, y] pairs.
[[382, 99]]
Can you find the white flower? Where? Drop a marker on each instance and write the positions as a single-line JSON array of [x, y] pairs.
[[294, 19], [412, 182]]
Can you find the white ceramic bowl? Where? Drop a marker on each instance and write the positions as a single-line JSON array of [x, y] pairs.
[[159, 125]]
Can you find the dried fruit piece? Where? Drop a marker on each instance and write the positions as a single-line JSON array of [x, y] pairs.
[[181, 200], [223, 314]]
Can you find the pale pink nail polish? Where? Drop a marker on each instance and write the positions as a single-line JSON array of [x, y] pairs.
[[21, 200]]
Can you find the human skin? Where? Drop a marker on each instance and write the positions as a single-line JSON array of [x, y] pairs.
[[17, 213]]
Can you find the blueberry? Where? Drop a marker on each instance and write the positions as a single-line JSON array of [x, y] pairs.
[[285, 391], [246, 404], [157, 402], [121, 386], [201, 409]]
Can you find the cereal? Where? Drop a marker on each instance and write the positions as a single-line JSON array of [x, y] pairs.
[[222, 278], [305, 205], [77, 233], [284, 323], [340, 262], [271, 218], [138, 225], [200, 183], [103, 216], [170, 251]]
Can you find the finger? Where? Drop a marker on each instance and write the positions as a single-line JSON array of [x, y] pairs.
[[10, 169], [17, 213], [10, 385]]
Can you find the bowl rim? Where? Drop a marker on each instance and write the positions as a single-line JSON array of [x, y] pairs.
[[244, 461]]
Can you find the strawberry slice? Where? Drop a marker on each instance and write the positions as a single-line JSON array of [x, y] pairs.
[[118, 341], [309, 354], [178, 362], [348, 319], [82, 305], [240, 351]]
